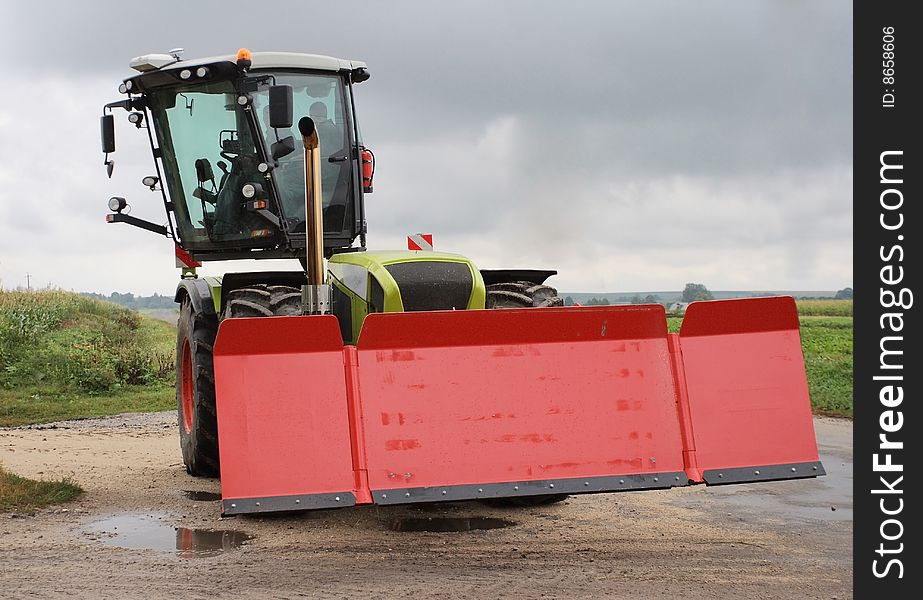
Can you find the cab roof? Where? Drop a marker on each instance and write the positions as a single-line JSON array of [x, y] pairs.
[[260, 60]]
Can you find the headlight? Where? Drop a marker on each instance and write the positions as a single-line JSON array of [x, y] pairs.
[[251, 190]]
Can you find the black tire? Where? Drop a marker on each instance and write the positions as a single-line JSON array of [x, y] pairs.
[[195, 371], [195, 391], [262, 300], [523, 294]]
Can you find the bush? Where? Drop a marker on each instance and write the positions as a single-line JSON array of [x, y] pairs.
[[24, 316], [134, 366], [87, 365], [51, 337], [128, 318]]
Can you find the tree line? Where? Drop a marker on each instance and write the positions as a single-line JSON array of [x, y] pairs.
[[693, 292], [129, 300]]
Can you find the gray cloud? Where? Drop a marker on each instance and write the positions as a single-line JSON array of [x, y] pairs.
[[632, 145]]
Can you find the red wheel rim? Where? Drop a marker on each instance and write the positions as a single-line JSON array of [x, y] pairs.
[[186, 387]]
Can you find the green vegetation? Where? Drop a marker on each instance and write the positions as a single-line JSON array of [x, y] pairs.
[[826, 339], [824, 308], [63, 355], [597, 302], [827, 344], [844, 294], [696, 291], [19, 493]]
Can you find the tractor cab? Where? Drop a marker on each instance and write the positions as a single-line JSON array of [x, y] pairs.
[[231, 173]]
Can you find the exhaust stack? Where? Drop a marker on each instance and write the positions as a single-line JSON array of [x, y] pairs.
[[315, 296]]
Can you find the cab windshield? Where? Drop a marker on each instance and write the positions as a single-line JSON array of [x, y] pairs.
[[210, 150], [321, 98]]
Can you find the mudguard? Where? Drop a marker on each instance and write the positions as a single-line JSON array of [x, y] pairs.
[[453, 405]]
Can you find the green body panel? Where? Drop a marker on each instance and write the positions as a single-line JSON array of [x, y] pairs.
[[359, 308], [350, 273], [214, 284]]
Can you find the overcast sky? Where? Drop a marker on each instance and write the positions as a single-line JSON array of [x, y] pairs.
[[629, 145]]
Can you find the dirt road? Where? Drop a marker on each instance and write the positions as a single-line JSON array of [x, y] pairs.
[[775, 540]]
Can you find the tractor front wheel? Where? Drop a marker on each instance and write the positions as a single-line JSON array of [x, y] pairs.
[[262, 300], [195, 391]]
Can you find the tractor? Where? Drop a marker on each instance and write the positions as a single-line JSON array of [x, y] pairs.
[[406, 376]]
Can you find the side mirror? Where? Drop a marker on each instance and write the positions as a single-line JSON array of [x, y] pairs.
[[107, 131], [283, 147], [281, 102], [361, 74]]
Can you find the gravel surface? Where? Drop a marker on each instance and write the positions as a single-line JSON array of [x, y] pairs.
[[777, 540], [165, 420]]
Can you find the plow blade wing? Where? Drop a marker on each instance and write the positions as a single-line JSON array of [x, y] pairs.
[[455, 405], [747, 392]]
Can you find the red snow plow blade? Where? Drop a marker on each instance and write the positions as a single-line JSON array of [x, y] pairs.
[[455, 405]]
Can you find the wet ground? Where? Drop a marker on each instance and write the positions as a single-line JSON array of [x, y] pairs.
[[824, 499], [142, 531], [145, 528]]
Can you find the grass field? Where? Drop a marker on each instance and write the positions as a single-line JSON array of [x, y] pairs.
[[65, 356], [827, 344], [19, 493], [826, 339], [824, 308]]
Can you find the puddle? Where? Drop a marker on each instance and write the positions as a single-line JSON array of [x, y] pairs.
[[448, 524], [200, 496], [154, 532]]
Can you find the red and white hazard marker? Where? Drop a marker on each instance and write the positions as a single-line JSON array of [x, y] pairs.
[[184, 260], [420, 241]]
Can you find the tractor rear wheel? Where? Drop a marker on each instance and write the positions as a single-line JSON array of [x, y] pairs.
[[262, 300], [195, 391], [523, 294]]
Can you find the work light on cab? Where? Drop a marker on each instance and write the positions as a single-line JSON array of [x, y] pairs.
[[117, 204]]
